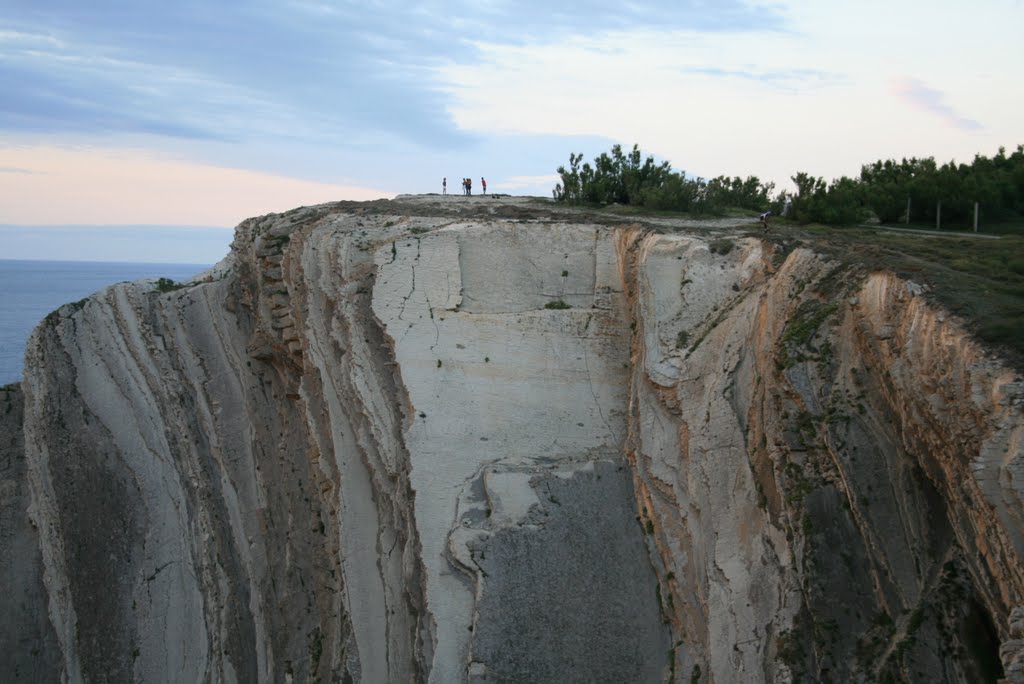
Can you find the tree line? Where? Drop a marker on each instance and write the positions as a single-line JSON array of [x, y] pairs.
[[882, 190]]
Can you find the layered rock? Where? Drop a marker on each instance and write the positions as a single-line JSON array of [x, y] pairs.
[[828, 467], [479, 441]]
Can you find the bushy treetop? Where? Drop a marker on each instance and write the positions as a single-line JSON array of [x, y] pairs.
[[883, 189]]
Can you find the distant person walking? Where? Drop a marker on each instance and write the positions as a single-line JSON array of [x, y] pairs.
[[764, 220], [444, 185], [469, 186], [483, 184], [465, 186]]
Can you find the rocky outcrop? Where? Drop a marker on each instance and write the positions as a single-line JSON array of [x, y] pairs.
[[828, 467], [481, 441]]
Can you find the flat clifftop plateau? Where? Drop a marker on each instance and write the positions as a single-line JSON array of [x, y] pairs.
[[494, 439]]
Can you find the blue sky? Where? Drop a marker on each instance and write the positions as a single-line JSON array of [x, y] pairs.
[[199, 113]]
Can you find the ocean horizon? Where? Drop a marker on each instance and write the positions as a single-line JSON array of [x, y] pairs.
[[34, 288]]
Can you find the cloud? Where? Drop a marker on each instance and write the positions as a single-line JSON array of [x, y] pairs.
[[113, 186], [15, 169], [927, 99], [331, 71], [786, 79], [624, 85], [66, 87]]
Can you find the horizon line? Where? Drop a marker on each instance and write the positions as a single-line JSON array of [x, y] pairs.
[[117, 225], [102, 261]]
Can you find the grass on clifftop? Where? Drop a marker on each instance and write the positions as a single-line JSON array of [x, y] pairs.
[[981, 280]]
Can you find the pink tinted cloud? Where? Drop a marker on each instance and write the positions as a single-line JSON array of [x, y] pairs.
[[56, 185], [927, 99]]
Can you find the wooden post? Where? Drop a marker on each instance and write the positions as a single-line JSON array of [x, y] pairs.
[[938, 216], [975, 217], [906, 218]]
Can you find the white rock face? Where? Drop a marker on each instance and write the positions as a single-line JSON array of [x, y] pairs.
[[504, 389], [461, 440]]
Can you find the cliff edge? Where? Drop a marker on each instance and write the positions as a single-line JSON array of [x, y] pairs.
[[470, 439]]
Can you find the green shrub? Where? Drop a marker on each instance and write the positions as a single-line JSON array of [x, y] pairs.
[[629, 179], [168, 285]]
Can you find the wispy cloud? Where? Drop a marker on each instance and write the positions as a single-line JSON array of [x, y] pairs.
[[332, 71], [131, 186], [927, 99], [62, 86], [786, 79], [16, 169]]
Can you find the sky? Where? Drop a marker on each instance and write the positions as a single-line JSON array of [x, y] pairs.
[[189, 116]]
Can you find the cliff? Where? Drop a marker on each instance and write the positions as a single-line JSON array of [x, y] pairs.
[[460, 439]]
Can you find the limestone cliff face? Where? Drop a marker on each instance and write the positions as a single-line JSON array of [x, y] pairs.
[[830, 468], [479, 441]]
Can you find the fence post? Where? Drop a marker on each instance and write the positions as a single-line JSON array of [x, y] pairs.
[[906, 218], [938, 216], [975, 217]]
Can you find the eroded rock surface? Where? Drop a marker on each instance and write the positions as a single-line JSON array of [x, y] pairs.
[[460, 439]]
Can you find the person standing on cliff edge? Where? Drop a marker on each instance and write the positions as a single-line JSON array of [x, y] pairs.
[[444, 185], [483, 184]]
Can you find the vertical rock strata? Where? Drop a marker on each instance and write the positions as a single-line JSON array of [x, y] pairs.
[[386, 443], [218, 475], [828, 468]]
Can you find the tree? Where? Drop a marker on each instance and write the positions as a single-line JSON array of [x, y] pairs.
[[623, 179], [571, 191], [883, 187]]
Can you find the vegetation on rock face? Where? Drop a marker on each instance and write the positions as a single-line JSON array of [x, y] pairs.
[[981, 281], [883, 189], [168, 285]]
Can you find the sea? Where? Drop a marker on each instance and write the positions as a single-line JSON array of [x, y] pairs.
[[29, 290]]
